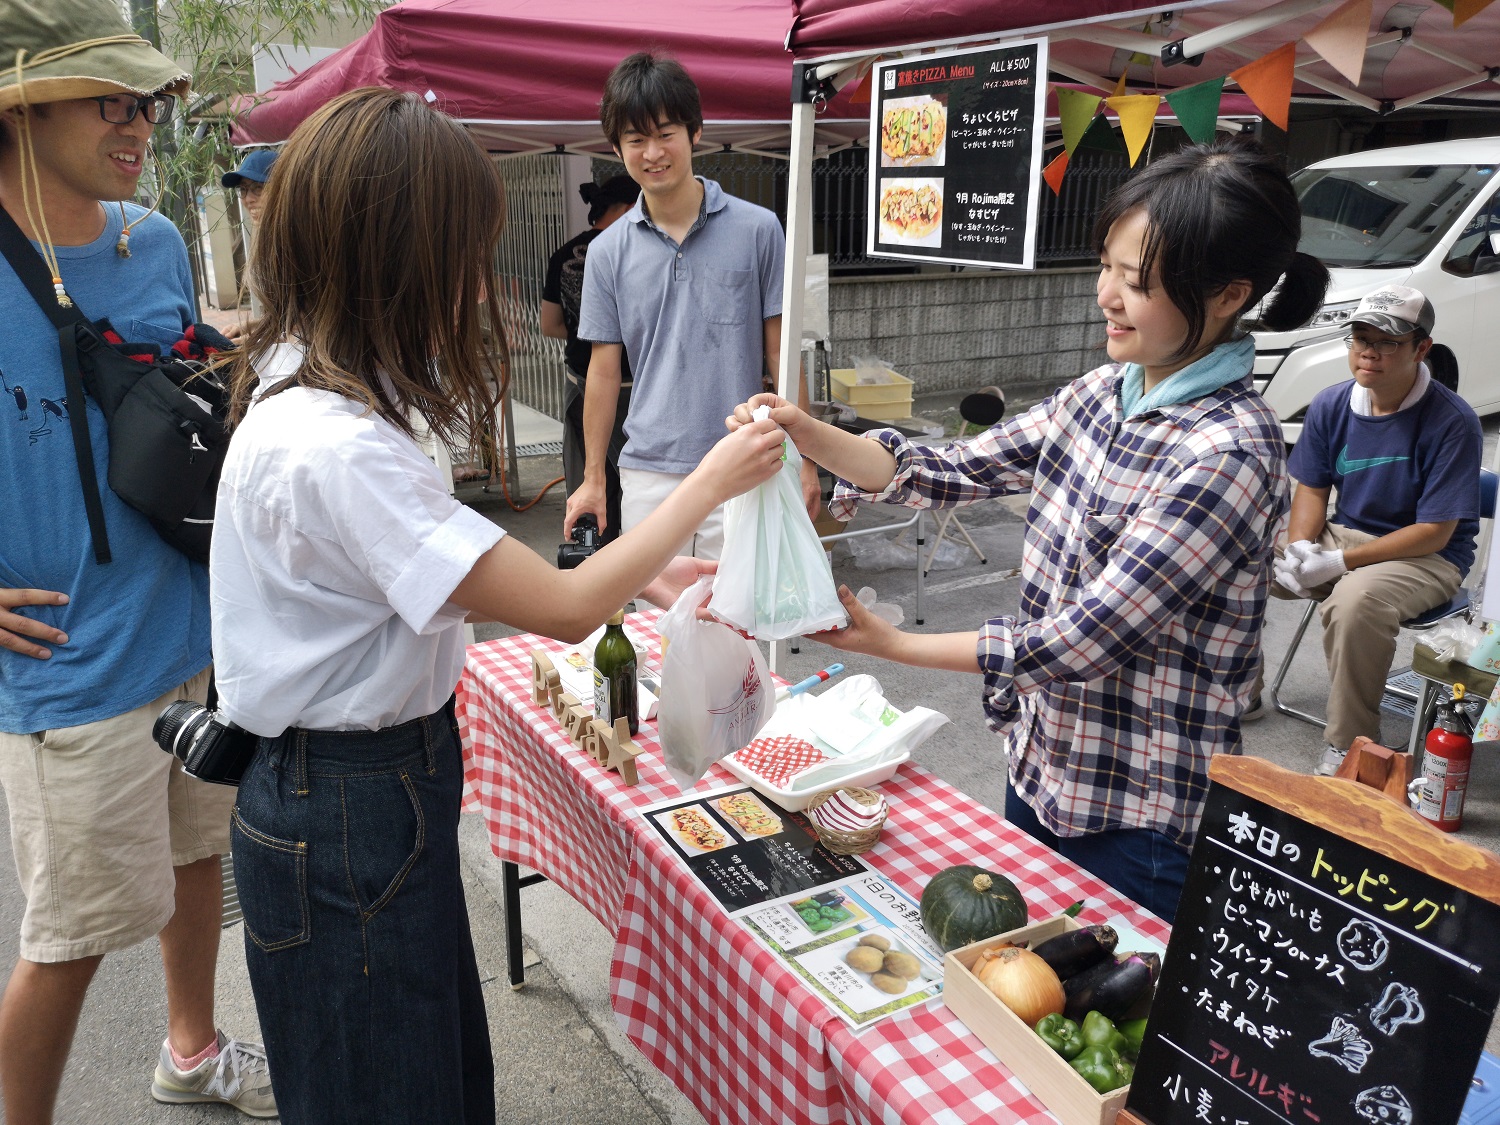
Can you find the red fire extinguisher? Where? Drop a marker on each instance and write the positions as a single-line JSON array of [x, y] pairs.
[[1449, 748]]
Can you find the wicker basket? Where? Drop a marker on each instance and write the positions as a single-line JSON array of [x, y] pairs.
[[841, 841]]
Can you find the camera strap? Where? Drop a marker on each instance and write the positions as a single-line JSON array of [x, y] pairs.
[[32, 271]]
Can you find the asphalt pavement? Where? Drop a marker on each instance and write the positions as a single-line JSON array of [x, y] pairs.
[[560, 1057]]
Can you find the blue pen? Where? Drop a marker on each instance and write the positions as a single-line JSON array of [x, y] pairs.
[[810, 682]]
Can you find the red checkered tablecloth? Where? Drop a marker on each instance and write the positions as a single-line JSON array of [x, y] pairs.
[[711, 1008]]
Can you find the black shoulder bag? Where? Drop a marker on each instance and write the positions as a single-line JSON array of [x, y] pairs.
[[166, 416]]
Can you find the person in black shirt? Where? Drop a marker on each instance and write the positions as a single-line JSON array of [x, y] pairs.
[[562, 293]]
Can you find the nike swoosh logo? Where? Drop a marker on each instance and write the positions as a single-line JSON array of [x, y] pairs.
[[1346, 464]]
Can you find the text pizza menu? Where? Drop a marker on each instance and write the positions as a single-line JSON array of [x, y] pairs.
[[955, 155]]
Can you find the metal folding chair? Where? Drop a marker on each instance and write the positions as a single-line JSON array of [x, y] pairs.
[[982, 409]]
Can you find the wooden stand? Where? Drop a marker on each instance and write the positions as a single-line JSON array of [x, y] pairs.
[[611, 747]]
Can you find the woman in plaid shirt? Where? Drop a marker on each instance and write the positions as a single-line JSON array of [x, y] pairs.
[[1158, 485]]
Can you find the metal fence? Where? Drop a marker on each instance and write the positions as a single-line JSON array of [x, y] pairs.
[[535, 227]]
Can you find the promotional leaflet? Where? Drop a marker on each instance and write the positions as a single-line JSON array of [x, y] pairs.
[[855, 939], [956, 155]]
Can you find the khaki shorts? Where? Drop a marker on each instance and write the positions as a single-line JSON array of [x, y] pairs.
[[99, 816], [643, 492]]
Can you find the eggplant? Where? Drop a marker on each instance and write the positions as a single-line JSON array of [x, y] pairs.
[[1076, 950], [1111, 987]]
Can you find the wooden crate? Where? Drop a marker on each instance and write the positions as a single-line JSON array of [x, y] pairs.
[[1046, 1073]]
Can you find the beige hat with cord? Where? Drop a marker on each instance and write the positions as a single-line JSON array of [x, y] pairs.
[[66, 49]]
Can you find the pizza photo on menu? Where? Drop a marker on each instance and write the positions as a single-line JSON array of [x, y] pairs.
[[911, 211], [913, 132], [694, 830], [749, 814]]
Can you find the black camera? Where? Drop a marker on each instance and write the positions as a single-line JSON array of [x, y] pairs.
[[584, 542], [210, 749]]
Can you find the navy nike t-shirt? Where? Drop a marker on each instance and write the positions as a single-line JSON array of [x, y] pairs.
[[1418, 465]]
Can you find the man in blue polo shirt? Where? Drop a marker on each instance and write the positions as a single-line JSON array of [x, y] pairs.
[[1404, 453], [688, 284]]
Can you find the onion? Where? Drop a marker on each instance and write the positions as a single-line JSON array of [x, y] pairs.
[[1024, 982]]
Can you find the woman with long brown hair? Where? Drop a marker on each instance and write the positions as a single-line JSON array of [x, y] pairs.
[[342, 573]]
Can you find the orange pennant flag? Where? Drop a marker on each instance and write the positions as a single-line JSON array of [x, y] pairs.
[[1340, 39], [1053, 173], [1137, 114], [1268, 83], [861, 95], [1465, 9]]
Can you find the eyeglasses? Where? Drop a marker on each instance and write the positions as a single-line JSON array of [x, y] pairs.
[[120, 109], [1382, 347], [248, 189]]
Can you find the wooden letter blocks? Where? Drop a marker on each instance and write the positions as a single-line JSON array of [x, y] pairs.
[[611, 747]]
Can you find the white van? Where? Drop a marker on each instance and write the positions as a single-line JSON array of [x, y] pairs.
[[1427, 216]]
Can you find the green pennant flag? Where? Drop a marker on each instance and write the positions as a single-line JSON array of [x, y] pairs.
[[1197, 108], [1100, 136], [1075, 109]]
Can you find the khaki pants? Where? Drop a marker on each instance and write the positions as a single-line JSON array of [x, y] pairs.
[[643, 492], [1362, 614]]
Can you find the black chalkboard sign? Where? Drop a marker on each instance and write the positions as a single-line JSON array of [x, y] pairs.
[[1311, 978]]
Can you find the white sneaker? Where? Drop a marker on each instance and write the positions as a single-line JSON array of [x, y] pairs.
[[1333, 758], [236, 1076], [1255, 712]]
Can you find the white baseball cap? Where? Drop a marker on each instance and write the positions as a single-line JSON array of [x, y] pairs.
[[1395, 309]]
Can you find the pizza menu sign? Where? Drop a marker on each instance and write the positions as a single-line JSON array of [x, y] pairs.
[[956, 156]]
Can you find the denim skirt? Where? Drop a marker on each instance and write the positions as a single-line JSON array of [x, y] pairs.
[[357, 937]]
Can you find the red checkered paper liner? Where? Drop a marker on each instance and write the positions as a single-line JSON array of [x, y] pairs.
[[724, 1020], [777, 760]]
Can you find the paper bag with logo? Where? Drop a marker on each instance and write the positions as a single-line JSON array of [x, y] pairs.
[[716, 691]]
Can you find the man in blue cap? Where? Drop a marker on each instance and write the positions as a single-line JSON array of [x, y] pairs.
[[250, 179]]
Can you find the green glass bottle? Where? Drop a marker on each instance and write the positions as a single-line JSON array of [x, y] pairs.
[[614, 675]]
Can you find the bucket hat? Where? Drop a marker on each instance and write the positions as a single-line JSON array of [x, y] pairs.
[[77, 49]]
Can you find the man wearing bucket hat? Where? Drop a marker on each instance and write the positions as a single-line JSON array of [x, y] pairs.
[[1404, 454], [113, 842], [249, 179]]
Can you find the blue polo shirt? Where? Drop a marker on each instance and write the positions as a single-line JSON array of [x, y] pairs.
[[692, 319], [1418, 465]]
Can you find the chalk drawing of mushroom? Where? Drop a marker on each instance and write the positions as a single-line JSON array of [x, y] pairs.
[[1398, 1004], [1344, 1045], [1383, 1105], [1363, 945]]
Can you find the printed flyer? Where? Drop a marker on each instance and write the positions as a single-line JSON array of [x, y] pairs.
[[745, 849], [854, 938]]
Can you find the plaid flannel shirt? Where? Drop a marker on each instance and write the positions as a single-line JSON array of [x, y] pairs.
[[1145, 572]]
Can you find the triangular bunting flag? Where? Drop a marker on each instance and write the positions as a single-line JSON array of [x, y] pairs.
[[1197, 108], [1076, 110], [1100, 136], [861, 95], [1340, 39], [1465, 9], [1119, 86], [1139, 58], [1268, 83], [1054, 171], [1137, 116], [1445, 3]]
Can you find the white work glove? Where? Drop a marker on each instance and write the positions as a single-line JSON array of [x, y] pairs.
[[1316, 567], [1285, 571]]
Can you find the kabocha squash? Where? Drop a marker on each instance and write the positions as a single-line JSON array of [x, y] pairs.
[[965, 904]]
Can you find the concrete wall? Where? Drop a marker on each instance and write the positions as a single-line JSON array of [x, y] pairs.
[[1025, 332]]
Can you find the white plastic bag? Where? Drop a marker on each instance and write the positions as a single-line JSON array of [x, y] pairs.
[[716, 692], [774, 577]]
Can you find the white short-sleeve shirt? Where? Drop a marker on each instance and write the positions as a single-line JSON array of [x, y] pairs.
[[336, 548]]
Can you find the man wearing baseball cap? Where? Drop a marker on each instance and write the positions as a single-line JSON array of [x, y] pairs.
[[1403, 453], [114, 844], [249, 179]]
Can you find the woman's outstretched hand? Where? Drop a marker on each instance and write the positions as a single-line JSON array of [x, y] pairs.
[[664, 590], [785, 414], [866, 632]]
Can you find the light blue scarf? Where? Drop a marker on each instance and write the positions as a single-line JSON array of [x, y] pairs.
[[1225, 364]]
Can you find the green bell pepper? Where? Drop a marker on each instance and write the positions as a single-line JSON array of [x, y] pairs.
[[1134, 1031], [1103, 1068], [1099, 1031], [1061, 1034]]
